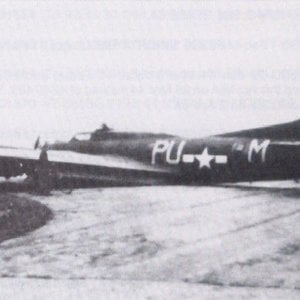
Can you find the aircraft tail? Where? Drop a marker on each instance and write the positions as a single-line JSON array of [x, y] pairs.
[[286, 131]]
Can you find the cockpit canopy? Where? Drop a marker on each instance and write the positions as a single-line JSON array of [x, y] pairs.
[[91, 136], [106, 133], [84, 136]]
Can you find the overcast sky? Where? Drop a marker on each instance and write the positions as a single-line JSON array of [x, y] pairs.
[[189, 68]]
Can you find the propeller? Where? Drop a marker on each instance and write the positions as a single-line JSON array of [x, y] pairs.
[[37, 143], [40, 143]]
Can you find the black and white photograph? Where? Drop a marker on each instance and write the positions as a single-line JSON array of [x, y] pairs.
[[149, 149]]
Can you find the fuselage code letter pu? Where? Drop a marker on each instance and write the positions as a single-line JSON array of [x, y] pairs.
[[165, 146]]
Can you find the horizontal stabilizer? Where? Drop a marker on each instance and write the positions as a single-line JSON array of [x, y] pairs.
[[288, 131]]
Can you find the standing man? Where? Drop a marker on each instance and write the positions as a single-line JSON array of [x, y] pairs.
[[43, 173]]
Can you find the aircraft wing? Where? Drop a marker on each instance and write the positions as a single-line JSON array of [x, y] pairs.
[[107, 168], [67, 164]]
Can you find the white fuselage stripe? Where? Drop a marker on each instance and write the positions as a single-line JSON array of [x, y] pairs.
[[287, 143]]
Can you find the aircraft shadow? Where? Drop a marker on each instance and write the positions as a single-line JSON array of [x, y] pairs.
[[70, 184], [291, 192], [61, 184]]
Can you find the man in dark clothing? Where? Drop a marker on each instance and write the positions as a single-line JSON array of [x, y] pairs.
[[43, 174]]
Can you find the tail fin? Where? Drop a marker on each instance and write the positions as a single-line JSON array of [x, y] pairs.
[[286, 131]]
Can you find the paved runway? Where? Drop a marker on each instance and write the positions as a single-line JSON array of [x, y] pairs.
[[217, 240]]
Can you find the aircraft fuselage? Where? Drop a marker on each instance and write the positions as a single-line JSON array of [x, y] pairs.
[[213, 159]]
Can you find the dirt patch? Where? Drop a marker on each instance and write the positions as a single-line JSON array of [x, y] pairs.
[[19, 215], [290, 249]]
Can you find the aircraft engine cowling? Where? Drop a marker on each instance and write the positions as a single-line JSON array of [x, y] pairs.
[[9, 169]]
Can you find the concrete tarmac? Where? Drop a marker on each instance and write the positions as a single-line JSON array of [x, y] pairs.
[[193, 242]]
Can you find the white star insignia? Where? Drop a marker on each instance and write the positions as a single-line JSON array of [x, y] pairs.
[[205, 159]]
